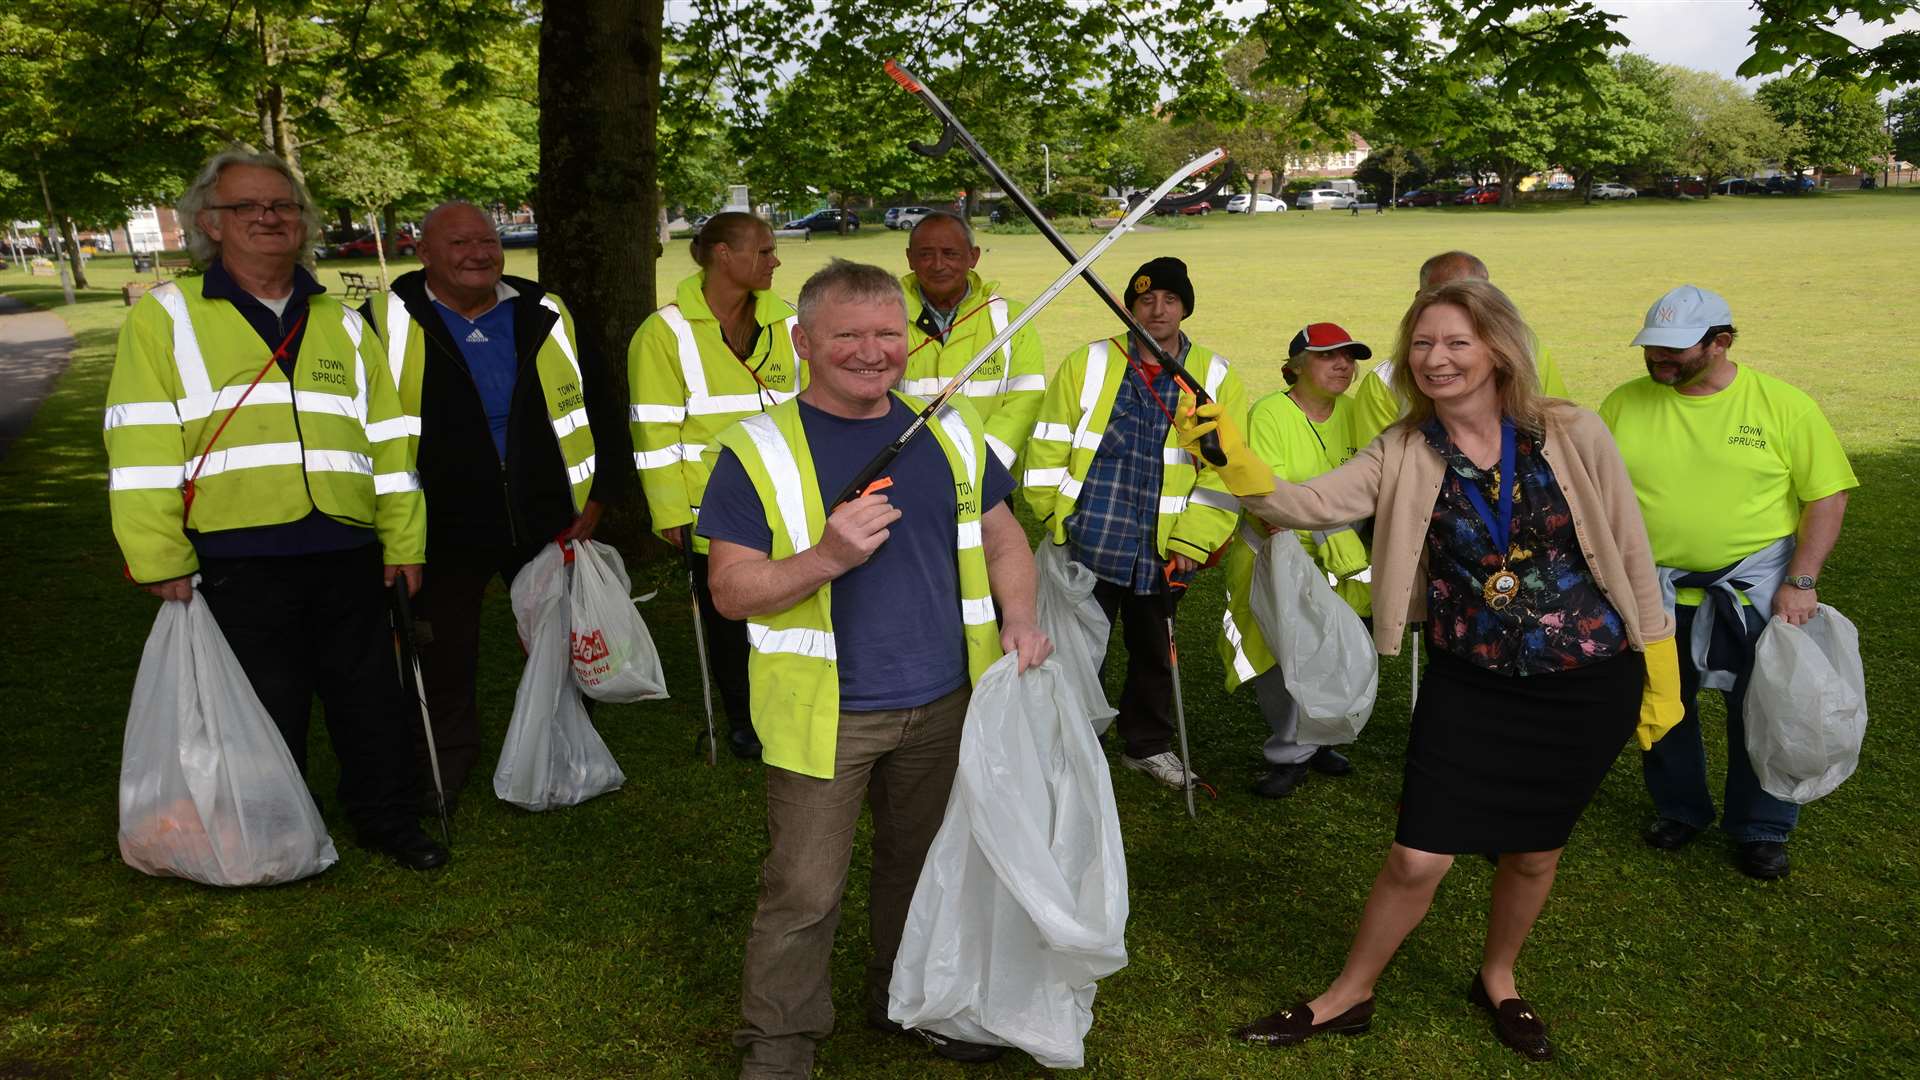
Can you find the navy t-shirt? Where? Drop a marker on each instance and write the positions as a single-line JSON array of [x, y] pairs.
[[896, 619]]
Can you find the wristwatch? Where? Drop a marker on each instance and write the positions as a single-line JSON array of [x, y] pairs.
[[1801, 581]]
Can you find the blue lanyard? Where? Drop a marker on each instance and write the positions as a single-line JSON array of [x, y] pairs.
[[1501, 528]]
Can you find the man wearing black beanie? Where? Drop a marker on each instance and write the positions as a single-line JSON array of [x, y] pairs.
[[1106, 477]]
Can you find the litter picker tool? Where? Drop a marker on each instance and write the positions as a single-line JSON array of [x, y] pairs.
[[1180, 718], [700, 644], [952, 131], [414, 685], [866, 478]]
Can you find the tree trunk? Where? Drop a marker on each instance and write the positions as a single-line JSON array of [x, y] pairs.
[[73, 252], [599, 103], [842, 226], [46, 229]]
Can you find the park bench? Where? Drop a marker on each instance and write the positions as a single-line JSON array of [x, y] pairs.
[[356, 285]]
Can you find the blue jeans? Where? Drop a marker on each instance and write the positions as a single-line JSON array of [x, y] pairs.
[[1676, 767]]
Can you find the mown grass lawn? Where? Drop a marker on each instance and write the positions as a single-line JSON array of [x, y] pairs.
[[606, 939]]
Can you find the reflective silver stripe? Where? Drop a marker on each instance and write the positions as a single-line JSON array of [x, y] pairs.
[[976, 612], [956, 428], [338, 461], [657, 414], [570, 423], [247, 457], [1366, 575], [727, 403], [923, 388], [582, 471], [665, 456], [1242, 666], [798, 640], [399, 325], [395, 483], [141, 413], [1090, 388], [1219, 500], [1088, 440], [1320, 537], [264, 393], [1070, 487], [692, 371], [359, 381], [1000, 450], [1045, 477], [187, 360], [314, 401], [399, 426], [1052, 432], [1173, 504], [1026, 382], [350, 320], [785, 473], [1216, 374], [559, 336], [1173, 455], [968, 534], [145, 477], [997, 312]]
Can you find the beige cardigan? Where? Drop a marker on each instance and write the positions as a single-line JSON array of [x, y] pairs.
[[1397, 479]]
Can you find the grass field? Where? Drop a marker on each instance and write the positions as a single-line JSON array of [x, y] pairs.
[[606, 939]]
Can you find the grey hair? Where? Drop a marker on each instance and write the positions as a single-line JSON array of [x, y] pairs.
[[1449, 265], [426, 223], [199, 197], [943, 215], [844, 280]]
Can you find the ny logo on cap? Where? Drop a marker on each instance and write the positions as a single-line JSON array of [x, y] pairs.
[[1666, 314]]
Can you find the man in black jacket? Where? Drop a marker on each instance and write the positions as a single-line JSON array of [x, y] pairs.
[[512, 422]]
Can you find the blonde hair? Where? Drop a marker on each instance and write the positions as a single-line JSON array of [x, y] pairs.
[[1507, 338], [199, 197]]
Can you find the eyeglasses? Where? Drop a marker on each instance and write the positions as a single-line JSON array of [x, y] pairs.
[[254, 211]]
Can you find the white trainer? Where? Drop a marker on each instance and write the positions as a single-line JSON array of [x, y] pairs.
[[1164, 767]]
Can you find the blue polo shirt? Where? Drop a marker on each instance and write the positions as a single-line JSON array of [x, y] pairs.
[[486, 344]]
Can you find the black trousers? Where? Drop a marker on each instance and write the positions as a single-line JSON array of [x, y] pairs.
[[447, 613], [303, 625], [1145, 722], [726, 650]]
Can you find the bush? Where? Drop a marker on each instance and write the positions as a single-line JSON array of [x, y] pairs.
[[1070, 203]]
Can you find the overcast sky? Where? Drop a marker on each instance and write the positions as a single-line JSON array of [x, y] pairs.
[[1712, 34]]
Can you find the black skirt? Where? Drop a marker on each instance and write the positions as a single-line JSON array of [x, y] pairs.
[[1508, 763]]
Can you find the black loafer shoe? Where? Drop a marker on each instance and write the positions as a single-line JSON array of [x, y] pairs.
[[885, 1025], [1765, 860], [952, 1049], [411, 848], [1280, 781], [1296, 1025], [1669, 835], [1515, 1022], [1329, 762], [744, 744]]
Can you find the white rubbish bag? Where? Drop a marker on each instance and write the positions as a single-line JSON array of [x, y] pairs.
[[552, 756], [1806, 707], [1022, 902], [614, 658], [1071, 618], [1324, 651], [208, 790]]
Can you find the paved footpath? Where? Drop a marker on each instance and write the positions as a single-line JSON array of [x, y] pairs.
[[34, 349]]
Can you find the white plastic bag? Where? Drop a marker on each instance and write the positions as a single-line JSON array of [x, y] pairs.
[[1071, 618], [552, 756], [1806, 706], [614, 658], [208, 790], [1324, 651], [1022, 902]]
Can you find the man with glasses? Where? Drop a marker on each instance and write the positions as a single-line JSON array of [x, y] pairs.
[[255, 447], [1743, 486], [505, 401]]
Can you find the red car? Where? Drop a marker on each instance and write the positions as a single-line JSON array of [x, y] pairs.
[[1419, 198], [361, 247], [1478, 196]]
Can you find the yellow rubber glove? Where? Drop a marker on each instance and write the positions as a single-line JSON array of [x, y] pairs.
[[1660, 705], [1245, 474]]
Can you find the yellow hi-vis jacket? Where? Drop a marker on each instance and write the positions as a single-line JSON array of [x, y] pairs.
[[793, 665], [1379, 404], [330, 438], [1197, 512], [1006, 391], [687, 386], [1297, 449]]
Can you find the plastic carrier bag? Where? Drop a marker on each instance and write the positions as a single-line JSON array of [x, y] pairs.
[[1324, 651], [1071, 618], [1806, 706], [1022, 902], [208, 790], [552, 756], [614, 658]]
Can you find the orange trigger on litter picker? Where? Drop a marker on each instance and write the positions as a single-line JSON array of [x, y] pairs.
[[881, 484]]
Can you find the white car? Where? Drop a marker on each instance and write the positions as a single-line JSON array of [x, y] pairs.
[[1614, 191], [1324, 199], [1262, 204]]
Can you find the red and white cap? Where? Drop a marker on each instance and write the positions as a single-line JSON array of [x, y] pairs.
[[1326, 337]]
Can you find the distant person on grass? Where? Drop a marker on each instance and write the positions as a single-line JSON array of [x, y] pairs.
[[869, 624], [514, 442], [1373, 393], [1550, 644], [1744, 487], [254, 439]]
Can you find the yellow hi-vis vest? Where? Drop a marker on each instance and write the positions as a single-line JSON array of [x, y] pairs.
[[557, 364], [1006, 391], [1196, 510], [330, 438], [687, 386], [793, 665]]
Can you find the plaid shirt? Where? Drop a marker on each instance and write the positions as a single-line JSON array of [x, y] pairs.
[[1116, 518]]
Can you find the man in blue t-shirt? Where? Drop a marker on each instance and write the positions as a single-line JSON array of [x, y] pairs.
[[897, 646]]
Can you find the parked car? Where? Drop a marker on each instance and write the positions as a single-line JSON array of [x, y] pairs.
[[827, 220], [1420, 197], [1478, 196], [1676, 186], [1610, 190], [361, 246], [905, 217], [1192, 210], [1781, 185], [515, 236], [1261, 204], [1324, 199]]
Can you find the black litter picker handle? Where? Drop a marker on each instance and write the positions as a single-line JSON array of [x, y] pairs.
[[952, 131]]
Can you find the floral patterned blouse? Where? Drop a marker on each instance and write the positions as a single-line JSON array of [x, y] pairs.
[[1559, 619]]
